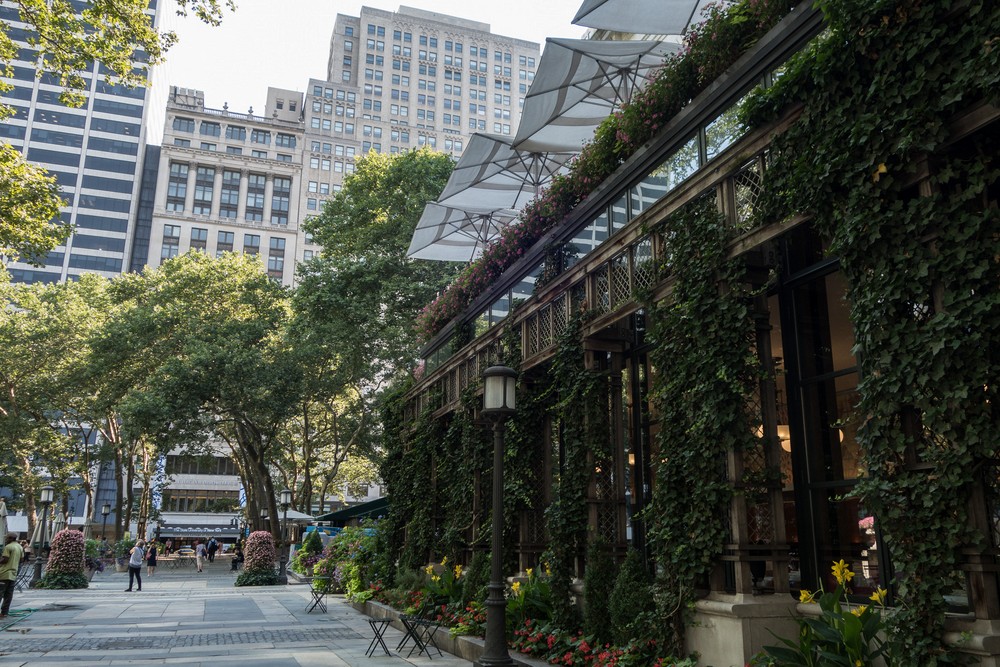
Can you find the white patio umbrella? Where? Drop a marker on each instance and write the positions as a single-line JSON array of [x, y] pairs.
[[640, 17], [578, 84], [3, 520], [36, 534], [57, 525], [491, 174], [456, 234], [88, 530]]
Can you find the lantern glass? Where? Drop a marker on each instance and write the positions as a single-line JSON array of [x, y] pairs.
[[499, 384], [286, 497], [106, 510], [48, 493]]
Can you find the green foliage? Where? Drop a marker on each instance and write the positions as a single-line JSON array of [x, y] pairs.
[[598, 586], [880, 92], [260, 577], [259, 553], [63, 580], [842, 635], [702, 349], [348, 560], [477, 576], [631, 601], [29, 209], [531, 599], [122, 549]]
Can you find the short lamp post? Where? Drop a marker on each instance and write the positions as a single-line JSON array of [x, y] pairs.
[[499, 384], [48, 493], [105, 511], [286, 500]]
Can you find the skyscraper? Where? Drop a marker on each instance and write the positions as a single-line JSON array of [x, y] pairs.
[[95, 152]]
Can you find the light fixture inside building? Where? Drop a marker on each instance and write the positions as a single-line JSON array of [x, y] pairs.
[[785, 436]]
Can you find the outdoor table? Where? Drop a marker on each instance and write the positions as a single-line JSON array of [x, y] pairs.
[[379, 626], [318, 587], [421, 632]]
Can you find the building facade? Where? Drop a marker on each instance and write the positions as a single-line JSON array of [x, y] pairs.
[[95, 152]]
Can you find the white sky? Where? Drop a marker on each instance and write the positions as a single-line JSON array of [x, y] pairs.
[[283, 43]]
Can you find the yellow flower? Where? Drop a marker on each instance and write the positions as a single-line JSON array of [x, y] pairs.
[[516, 587], [436, 578], [529, 571], [807, 597], [879, 596], [444, 561], [458, 571], [842, 572], [548, 570], [858, 663], [429, 569], [877, 174], [860, 609]]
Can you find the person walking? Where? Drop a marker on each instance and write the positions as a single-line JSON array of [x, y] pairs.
[[10, 562], [199, 555], [136, 556], [213, 546], [151, 558]]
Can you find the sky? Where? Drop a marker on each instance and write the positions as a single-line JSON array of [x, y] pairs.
[[282, 43]]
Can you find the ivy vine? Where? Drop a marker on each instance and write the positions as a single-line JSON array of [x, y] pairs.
[[702, 348], [880, 91]]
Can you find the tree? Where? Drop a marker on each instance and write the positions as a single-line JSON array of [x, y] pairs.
[[119, 35]]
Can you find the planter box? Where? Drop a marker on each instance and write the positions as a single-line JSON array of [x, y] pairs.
[[468, 648]]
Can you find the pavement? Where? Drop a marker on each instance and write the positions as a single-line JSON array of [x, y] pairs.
[[182, 617]]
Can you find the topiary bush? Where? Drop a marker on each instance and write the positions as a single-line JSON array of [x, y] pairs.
[[258, 566], [310, 553], [598, 584], [66, 562], [631, 601]]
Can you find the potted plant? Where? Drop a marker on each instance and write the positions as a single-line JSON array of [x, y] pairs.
[[122, 549]]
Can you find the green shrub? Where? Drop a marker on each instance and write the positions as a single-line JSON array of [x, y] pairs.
[[259, 551], [67, 562], [631, 601], [267, 577], [598, 584], [63, 580], [477, 576]]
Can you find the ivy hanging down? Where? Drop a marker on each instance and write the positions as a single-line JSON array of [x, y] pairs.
[[880, 93], [702, 349]]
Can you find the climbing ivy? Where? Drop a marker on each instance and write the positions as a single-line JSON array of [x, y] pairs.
[[880, 91], [702, 349]]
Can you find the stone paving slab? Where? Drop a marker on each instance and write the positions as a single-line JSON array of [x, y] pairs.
[[184, 618]]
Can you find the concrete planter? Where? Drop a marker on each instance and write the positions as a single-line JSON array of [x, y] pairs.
[[468, 648]]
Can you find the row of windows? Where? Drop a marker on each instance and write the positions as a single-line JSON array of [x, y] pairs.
[[233, 150], [324, 164], [234, 132], [336, 149], [328, 94]]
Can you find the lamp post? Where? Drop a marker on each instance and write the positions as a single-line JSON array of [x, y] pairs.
[[105, 511], [47, 495], [499, 383], [286, 500]]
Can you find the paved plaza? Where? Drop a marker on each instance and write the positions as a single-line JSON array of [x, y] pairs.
[[184, 618]]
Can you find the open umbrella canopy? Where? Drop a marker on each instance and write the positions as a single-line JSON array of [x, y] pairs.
[[3, 520], [641, 17], [58, 525], [578, 84], [455, 234], [491, 174]]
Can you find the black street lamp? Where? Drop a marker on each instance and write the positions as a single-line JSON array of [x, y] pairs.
[[286, 500], [499, 384], [48, 493], [105, 511]]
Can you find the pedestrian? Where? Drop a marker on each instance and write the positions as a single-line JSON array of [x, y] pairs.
[[151, 558], [213, 546], [168, 547], [136, 556], [10, 562], [199, 554], [237, 557]]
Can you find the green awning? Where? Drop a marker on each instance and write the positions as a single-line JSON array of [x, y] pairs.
[[372, 508]]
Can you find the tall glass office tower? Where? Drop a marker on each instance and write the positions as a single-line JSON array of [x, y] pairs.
[[95, 153]]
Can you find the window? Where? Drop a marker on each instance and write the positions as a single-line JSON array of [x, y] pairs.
[[260, 137], [182, 142], [184, 124], [251, 244], [255, 197], [259, 154], [171, 242], [284, 157], [177, 186], [280, 195], [204, 186], [224, 243], [199, 238], [313, 186], [275, 266], [349, 31], [229, 196], [205, 146], [285, 140], [234, 150], [311, 204], [210, 129]]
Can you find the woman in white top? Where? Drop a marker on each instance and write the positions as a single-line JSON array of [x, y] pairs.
[[136, 556]]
